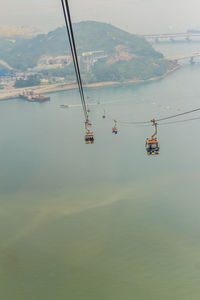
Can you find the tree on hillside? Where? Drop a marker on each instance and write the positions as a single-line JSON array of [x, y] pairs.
[[32, 80]]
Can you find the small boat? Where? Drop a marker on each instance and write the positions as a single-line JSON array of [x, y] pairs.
[[64, 105]]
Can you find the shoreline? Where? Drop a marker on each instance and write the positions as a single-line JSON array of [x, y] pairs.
[[14, 93]]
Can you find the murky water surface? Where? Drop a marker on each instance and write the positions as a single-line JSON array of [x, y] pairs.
[[104, 221]]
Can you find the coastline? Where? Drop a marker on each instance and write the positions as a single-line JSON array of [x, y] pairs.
[[14, 93]]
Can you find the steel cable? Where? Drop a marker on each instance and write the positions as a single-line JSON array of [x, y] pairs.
[[69, 28]]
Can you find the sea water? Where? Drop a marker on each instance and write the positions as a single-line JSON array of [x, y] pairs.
[[102, 221]]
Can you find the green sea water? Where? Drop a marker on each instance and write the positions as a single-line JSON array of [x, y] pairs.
[[102, 221]]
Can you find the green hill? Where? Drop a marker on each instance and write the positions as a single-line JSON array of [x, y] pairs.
[[22, 53], [133, 69], [129, 56]]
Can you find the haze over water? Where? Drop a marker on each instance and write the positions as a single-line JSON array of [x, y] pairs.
[[101, 221]]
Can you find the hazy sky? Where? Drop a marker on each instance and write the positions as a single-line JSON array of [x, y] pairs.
[[137, 16]]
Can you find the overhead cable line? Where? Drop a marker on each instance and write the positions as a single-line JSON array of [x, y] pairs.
[[159, 120], [76, 56], [69, 28], [178, 115], [135, 123], [160, 124], [180, 121], [126, 122]]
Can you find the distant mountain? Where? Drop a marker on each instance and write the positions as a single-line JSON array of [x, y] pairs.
[[22, 53], [127, 56]]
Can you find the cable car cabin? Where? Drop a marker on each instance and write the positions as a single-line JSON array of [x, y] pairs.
[[89, 137], [114, 130], [152, 146], [89, 123]]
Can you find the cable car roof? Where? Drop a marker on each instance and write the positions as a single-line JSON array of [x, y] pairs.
[[152, 141]]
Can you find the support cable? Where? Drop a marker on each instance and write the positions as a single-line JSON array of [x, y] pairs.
[[70, 34], [178, 115], [161, 119], [160, 124], [180, 121], [76, 56], [71, 47]]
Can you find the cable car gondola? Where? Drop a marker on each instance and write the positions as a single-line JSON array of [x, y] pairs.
[[89, 137], [114, 129], [152, 146]]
